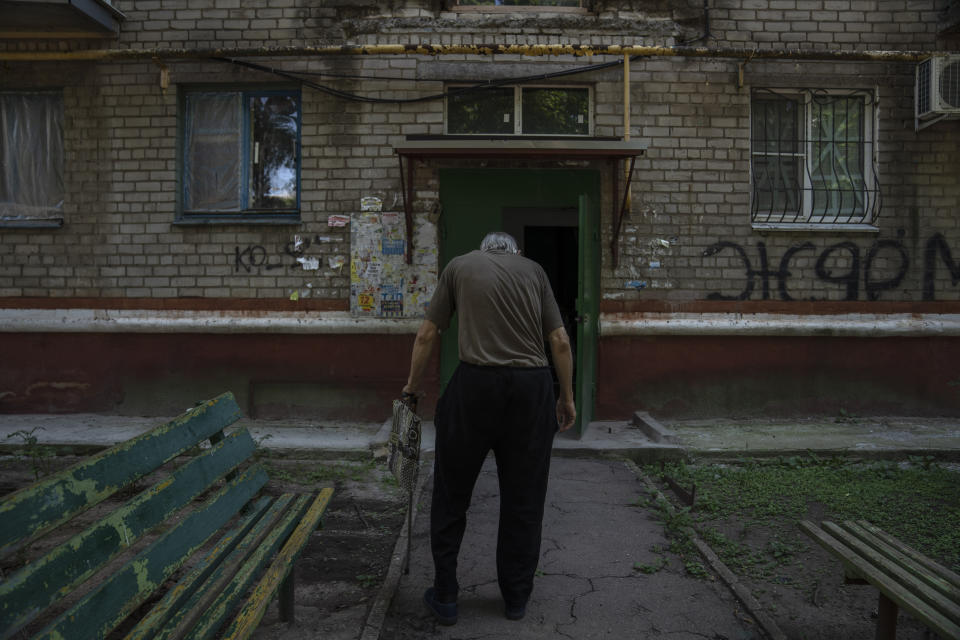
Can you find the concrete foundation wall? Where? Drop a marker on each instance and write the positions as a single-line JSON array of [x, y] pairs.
[[348, 377], [734, 376]]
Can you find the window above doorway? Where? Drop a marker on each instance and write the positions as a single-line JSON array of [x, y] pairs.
[[813, 159], [240, 155], [520, 110]]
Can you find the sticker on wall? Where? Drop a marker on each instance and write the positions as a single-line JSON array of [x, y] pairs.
[[309, 264], [338, 221], [391, 300], [371, 203], [366, 303]]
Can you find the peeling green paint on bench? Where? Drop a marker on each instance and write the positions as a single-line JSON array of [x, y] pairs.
[[249, 617], [214, 616], [206, 571], [223, 564], [36, 509], [100, 611], [35, 587]]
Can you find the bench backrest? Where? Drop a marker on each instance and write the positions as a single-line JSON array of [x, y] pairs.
[[29, 513], [38, 508]]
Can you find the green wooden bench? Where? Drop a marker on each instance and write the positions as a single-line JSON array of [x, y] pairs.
[[86, 586], [905, 578]]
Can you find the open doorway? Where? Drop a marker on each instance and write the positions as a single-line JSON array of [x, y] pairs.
[[549, 236], [554, 215]]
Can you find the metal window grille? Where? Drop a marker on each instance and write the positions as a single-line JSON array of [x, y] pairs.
[[813, 158]]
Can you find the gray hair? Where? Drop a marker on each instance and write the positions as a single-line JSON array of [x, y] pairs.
[[499, 241]]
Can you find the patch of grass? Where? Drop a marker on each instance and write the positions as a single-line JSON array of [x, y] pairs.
[[917, 501], [367, 580]]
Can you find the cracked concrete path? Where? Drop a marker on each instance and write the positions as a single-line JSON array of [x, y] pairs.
[[588, 586]]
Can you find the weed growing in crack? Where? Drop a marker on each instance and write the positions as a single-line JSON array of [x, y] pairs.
[[39, 455], [678, 527], [649, 569]]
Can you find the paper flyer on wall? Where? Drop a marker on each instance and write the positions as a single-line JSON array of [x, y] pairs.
[[382, 284]]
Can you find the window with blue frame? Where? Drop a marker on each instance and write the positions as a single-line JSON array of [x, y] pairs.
[[240, 154]]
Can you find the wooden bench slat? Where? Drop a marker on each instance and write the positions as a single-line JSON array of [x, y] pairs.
[[249, 617], [897, 593], [918, 570], [198, 600], [912, 553], [213, 617], [32, 589], [104, 608], [218, 557], [36, 509], [895, 573]]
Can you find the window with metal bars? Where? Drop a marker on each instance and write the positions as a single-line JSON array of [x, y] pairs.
[[813, 159]]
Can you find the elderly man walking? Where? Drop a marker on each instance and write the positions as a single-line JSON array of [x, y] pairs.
[[500, 398]]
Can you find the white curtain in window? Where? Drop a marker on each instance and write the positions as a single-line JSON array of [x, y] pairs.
[[213, 173], [31, 156]]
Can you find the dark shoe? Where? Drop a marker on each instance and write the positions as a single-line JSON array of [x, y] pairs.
[[516, 612], [444, 612]]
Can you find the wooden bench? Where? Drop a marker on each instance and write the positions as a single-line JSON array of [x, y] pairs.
[[87, 586], [904, 577]]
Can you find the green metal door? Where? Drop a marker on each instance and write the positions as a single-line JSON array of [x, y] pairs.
[[473, 203], [587, 311]]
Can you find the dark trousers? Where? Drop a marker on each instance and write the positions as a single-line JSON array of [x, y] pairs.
[[511, 411]]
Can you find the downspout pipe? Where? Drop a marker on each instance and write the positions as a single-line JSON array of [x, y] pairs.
[[479, 49]]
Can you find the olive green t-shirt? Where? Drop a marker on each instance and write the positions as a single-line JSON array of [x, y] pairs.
[[504, 304]]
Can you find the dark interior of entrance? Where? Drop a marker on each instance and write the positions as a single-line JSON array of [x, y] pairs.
[[549, 236]]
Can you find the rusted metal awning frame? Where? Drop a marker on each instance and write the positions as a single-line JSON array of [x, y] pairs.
[[613, 150]]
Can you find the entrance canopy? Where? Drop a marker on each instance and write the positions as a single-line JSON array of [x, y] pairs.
[[612, 149], [59, 19]]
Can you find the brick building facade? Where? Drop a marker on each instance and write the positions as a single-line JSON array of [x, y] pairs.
[[789, 241]]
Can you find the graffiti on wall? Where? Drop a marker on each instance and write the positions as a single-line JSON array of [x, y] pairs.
[[292, 254], [860, 267]]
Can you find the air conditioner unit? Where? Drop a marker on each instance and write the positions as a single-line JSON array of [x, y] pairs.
[[937, 93]]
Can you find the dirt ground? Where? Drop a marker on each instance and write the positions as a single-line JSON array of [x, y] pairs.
[[804, 590], [343, 566]]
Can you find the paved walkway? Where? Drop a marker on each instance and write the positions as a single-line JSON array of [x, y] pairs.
[[589, 586]]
